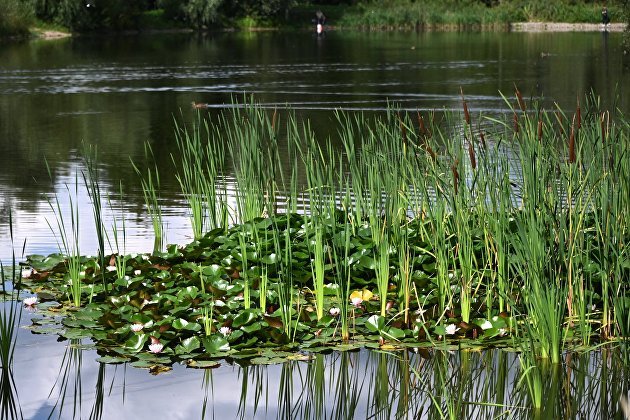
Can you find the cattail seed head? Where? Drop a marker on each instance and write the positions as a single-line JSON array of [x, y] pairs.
[[466, 113], [572, 143], [471, 155], [455, 175]]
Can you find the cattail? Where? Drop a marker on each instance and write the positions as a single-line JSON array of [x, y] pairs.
[[455, 175], [482, 139], [430, 152], [471, 155], [572, 143], [519, 98], [423, 128], [515, 123], [540, 130], [466, 113], [274, 119]]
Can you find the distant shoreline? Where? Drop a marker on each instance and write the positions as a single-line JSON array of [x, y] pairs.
[[512, 27]]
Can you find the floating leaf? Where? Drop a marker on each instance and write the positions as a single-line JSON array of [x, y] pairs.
[[245, 317], [182, 324], [202, 364], [216, 344], [136, 342], [112, 359], [188, 346]]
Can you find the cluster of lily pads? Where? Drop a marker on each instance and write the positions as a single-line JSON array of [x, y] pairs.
[[189, 302]]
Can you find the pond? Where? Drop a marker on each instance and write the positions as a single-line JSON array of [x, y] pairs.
[[121, 93]]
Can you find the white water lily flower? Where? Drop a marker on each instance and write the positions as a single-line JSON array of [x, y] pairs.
[[27, 272], [30, 301], [486, 325], [356, 301], [225, 331], [451, 329], [156, 347], [137, 327], [145, 257], [137, 272], [502, 331], [335, 311], [219, 303], [110, 268]]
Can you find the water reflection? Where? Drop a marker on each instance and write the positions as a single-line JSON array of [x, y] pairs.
[[63, 380]]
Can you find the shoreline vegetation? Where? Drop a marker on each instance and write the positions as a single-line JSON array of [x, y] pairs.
[[58, 19]]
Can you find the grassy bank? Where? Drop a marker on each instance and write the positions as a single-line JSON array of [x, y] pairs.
[[461, 14]]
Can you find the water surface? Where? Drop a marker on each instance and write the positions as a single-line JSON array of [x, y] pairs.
[[119, 93]]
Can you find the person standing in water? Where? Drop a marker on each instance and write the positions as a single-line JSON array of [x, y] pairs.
[[605, 17], [320, 20]]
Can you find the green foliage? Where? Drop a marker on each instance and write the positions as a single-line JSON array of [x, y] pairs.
[[15, 17], [396, 13], [83, 16]]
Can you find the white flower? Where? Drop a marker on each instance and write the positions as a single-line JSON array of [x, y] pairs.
[[156, 347], [356, 301], [110, 268], [486, 325], [137, 272], [225, 331], [27, 272], [145, 257], [502, 331], [137, 327], [30, 301], [335, 311], [451, 329]]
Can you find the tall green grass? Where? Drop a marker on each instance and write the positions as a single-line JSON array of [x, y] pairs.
[[468, 217]]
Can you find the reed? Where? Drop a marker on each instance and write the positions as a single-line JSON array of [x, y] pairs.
[[150, 182], [91, 179], [69, 235], [10, 316], [119, 244], [201, 163]]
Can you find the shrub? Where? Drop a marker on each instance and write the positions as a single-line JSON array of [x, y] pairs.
[[15, 17]]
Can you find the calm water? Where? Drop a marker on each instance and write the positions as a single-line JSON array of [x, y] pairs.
[[119, 93]]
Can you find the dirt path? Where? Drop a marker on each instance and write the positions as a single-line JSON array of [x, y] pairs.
[[565, 27], [46, 34]]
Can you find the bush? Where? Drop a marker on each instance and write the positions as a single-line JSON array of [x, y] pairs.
[[15, 17], [87, 15]]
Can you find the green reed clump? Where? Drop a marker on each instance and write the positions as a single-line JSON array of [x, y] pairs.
[[91, 179], [69, 235], [201, 163], [151, 192], [448, 228]]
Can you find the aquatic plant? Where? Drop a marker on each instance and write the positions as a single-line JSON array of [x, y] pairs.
[[69, 245], [150, 190], [404, 232]]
